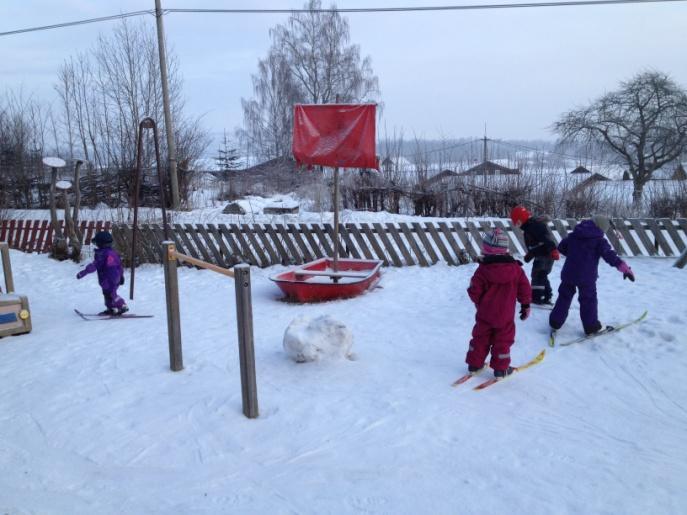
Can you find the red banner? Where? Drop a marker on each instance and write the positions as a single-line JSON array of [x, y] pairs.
[[335, 135]]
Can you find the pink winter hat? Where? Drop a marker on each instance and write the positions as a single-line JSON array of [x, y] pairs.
[[495, 242]]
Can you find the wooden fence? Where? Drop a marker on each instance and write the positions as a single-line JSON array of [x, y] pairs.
[[36, 235], [397, 244]]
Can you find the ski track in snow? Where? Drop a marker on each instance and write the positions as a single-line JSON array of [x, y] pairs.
[[93, 420]]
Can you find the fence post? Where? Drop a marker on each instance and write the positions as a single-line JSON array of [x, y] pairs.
[[680, 262], [169, 261], [244, 323], [7, 267]]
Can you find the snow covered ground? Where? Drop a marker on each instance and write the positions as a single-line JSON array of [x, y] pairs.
[[93, 421]]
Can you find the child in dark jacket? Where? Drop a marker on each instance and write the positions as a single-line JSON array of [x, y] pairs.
[[496, 285], [110, 273], [583, 248], [541, 247]]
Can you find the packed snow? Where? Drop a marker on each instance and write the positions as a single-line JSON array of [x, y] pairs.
[[94, 421], [313, 339]]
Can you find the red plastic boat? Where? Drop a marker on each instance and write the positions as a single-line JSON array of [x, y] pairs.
[[317, 281]]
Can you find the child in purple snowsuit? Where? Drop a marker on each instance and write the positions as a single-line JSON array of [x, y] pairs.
[[583, 248], [110, 273]]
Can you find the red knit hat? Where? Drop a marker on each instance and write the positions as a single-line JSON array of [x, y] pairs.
[[519, 214]]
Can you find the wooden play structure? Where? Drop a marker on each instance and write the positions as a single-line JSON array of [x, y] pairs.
[[170, 260], [244, 320], [15, 317]]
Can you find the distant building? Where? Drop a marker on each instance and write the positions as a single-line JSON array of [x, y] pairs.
[[679, 173], [580, 170], [594, 178], [489, 168]]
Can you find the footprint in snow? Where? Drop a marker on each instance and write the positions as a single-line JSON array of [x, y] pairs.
[[667, 337], [647, 332]]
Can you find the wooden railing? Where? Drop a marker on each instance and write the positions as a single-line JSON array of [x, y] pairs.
[[397, 244]]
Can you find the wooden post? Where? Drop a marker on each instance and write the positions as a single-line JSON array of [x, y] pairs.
[[336, 221], [169, 261], [169, 123], [7, 268], [679, 263], [244, 323]]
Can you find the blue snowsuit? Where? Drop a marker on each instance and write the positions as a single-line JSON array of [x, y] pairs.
[[583, 248]]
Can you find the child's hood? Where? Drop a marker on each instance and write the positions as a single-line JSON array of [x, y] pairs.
[[587, 229], [499, 269]]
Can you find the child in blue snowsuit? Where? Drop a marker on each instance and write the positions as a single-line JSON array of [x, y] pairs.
[[110, 273], [583, 248]]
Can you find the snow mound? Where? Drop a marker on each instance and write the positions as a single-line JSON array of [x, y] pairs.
[[312, 339]]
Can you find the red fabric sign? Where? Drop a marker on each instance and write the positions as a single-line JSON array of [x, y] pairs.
[[335, 135]]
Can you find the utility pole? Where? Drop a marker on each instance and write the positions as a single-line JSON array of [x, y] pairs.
[[484, 153], [169, 124]]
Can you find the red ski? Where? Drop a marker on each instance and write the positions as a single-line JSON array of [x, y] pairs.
[[467, 376]]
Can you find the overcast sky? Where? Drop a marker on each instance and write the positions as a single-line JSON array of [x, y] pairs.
[[441, 74]]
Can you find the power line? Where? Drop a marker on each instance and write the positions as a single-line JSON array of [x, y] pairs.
[[78, 22], [467, 7], [427, 8]]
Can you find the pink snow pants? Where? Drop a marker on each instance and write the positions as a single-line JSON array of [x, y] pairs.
[[486, 338]]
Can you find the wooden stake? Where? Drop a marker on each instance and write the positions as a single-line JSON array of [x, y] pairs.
[[244, 322], [7, 267], [172, 294]]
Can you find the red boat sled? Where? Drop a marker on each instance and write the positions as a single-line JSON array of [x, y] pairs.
[[318, 280]]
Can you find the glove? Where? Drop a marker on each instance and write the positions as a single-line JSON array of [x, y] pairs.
[[524, 311], [121, 280], [626, 271], [528, 257], [555, 255], [81, 274]]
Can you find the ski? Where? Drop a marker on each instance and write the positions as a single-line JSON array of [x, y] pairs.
[[467, 377], [606, 330], [535, 361], [91, 317], [552, 338]]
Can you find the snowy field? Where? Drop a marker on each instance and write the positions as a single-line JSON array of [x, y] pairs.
[[94, 422]]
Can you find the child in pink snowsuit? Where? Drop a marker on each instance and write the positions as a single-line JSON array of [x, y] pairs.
[[496, 285]]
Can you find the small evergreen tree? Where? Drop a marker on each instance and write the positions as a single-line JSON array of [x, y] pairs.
[[227, 158]]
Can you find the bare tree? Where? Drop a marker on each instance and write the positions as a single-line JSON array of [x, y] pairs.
[[644, 124], [311, 60], [105, 92]]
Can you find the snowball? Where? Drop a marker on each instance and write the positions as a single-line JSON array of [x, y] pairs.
[[311, 339]]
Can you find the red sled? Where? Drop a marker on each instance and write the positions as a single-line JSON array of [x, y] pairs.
[[318, 281]]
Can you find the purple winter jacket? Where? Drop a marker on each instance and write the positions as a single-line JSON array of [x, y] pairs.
[[109, 268], [583, 247]]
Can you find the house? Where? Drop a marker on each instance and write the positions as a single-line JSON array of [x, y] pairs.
[[279, 175], [580, 170], [489, 168], [594, 178]]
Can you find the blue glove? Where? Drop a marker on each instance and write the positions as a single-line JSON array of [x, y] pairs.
[[81, 274]]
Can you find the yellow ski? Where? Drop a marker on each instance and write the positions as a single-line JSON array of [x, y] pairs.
[[535, 361]]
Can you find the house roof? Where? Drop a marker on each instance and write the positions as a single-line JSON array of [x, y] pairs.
[[580, 169], [490, 168], [596, 177]]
